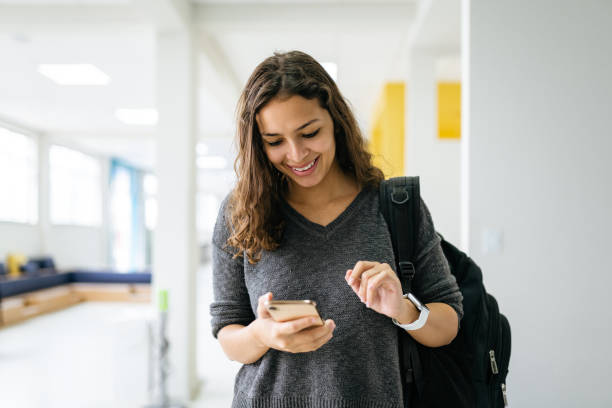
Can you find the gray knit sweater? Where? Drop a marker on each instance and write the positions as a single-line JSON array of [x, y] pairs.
[[359, 366]]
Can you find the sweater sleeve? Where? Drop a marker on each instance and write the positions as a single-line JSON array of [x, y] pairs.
[[231, 303], [433, 281]]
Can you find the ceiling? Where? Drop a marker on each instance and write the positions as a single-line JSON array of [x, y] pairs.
[[369, 40]]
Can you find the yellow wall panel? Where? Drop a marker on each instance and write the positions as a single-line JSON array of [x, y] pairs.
[[449, 110], [387, 131]]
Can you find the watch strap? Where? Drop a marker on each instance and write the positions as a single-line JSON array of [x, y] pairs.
[[423, 315]]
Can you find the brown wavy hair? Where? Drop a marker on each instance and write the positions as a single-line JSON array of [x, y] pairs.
[[255, 217]]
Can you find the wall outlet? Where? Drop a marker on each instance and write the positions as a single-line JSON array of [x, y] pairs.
[[492, 240]]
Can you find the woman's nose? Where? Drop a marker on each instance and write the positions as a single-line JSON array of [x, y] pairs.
[[297, 153]]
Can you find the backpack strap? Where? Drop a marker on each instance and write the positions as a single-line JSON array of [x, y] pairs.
[[399, 202]]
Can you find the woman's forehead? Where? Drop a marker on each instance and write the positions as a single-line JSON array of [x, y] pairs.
[[288, 114]]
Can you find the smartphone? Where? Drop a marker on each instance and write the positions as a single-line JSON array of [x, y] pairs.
[[284, 310]]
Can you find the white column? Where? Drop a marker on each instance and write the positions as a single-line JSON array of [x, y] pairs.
[[421, 115], [44, 224], [540, 88], [105, 230], [174, 257], [465, 126], [436, 161]]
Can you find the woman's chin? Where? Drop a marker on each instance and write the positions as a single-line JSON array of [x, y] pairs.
[[305, 182]]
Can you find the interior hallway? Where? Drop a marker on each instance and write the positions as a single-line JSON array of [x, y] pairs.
[[95, 355]]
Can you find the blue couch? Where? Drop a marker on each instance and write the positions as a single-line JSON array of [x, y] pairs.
[[40, 273]]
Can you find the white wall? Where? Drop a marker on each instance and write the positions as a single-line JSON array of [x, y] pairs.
[[19, 238], [77, 247], [540, 84]]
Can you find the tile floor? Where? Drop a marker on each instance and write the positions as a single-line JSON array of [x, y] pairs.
[[94, 355]]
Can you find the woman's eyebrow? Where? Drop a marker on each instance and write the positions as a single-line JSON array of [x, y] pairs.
[[300, 128]]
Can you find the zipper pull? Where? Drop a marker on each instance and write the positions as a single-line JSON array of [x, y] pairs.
[[504, 394], [493, 362]]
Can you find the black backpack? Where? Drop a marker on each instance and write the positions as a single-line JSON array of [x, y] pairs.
[[471, 371]]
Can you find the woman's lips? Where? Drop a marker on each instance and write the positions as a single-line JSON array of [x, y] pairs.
[[309, 170]]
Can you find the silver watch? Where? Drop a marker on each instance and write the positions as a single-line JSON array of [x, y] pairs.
[[420, 322]]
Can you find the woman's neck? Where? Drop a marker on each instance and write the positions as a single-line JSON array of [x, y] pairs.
[[336, 184]]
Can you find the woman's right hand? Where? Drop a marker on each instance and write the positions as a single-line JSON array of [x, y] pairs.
[[295, 336]]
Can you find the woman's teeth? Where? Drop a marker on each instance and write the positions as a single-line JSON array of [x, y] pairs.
[[305, 168]]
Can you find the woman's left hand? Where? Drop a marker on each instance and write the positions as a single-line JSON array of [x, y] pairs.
[[377, 286]]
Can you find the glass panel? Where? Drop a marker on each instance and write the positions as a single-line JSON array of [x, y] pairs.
[[75, 188], [18, 177], [121, 220]]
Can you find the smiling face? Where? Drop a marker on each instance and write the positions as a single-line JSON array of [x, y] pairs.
[[298, 139]]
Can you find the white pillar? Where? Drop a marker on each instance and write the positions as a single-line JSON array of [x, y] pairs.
[[44, 223], [105, 230], [421, 115], [436, 161], [174, 257], [465, 126], [540, 191]]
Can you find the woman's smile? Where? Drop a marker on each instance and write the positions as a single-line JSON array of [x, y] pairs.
[[305, 170]]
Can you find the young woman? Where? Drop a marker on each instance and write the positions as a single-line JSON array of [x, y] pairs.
[[303, 222]]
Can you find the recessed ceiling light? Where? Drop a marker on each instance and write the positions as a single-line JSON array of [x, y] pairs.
[[332, 69], [212, 162], [74, 74], [146, 117]]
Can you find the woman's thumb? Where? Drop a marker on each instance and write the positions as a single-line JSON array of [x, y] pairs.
[[262, 311]]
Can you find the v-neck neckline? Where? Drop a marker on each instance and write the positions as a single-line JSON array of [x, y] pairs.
[[324, 230]]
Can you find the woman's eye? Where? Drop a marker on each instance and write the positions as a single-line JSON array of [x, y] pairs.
[[313, 134], [276, 143]]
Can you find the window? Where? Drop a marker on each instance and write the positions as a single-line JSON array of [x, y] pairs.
[[127, 217], [75, 188], [18, 178], [150, 196], [121, 217]]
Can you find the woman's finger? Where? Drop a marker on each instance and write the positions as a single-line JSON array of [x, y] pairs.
[[322, 341], [312, 343], [365, 277], [374, 284], [352, 283], [359, 268], [297, 325]]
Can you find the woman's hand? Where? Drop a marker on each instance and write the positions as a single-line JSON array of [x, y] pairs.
[[378, 287], [295, 336]]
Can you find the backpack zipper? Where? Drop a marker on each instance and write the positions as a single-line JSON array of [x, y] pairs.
[[493, 362], [493, 336], [504, 394]]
